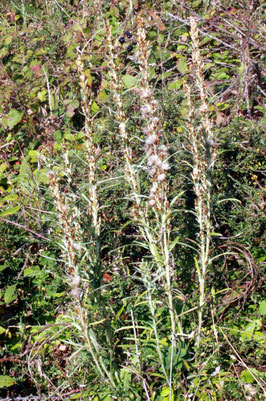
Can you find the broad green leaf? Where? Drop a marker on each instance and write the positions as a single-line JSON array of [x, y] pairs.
[[165, 394], [125, 376], [102, 95], [13, 118], [41, 176], [175, 85], [114, 11], [3, 52], [10, 294], [221, 75], [31, 271], [10, 197], [3, 167], [2, 330], [246, 377], [262, 308], [129, 81], [10, 211], [249, 329], [42, 95], [6, 381], [34, 155], [94, 107], [70, 137], [182, 65]]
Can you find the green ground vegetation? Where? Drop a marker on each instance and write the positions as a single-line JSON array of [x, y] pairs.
[[132, 166]]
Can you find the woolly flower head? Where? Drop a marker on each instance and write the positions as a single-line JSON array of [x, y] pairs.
[[149, 151], [146, 110], [145, 93], [148, 130], [161, 177], [162, 150], [152, 172], [165, 166], [122, 126], [76, 292], [152, 160], [151, 140]]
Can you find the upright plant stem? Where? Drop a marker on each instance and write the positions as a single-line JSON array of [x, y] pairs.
[[200, 139]]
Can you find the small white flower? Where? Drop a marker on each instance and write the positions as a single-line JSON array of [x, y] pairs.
[[252, 390], [145, 93], [154, 103], [151, 139], [165, 166], [76, 292], [152, 172], [163, 148], [161, 177], [216, 371], [149, 151], [146, 110], [158, 161], [77, 246], [63, 208], [152, 202], [122, 126], [148, 130], [152, 160], [162, 151]]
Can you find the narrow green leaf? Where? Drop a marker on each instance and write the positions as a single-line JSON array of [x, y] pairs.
[[173, 243], [8, 212]]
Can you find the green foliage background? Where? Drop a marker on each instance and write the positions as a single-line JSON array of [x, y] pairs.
[[41, 119]]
